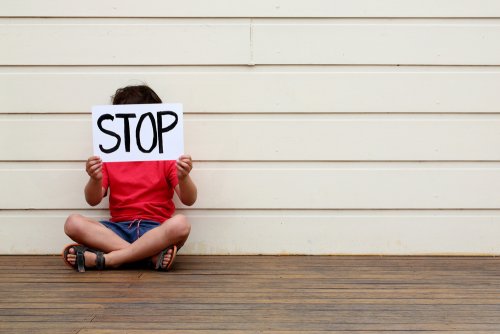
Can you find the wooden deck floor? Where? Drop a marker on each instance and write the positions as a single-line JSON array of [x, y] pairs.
[[270, 294]]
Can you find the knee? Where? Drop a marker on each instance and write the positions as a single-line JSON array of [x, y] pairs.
[[73, 225], [180, 226]]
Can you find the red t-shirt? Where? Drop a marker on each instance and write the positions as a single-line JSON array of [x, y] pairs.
[[140, 189]]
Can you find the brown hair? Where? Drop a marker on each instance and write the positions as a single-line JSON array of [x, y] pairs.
[[140, 94]]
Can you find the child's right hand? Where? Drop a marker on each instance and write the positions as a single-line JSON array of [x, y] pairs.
[[94, 168]]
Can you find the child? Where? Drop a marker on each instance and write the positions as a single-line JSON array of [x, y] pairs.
[[142, 225]]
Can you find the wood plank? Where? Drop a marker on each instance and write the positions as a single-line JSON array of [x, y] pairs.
[[104, 42], [276, 138], [466, 298], [252, 294], [382, 42], [336, 328], [278, 89], [271, 332], [256, 8], [203, 315]]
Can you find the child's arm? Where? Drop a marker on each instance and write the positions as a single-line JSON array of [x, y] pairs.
[[186, 189], [93, 190]]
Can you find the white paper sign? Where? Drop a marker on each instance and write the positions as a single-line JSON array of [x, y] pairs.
[[138, 132]]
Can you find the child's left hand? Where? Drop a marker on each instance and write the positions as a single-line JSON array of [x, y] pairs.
[[184, 166]]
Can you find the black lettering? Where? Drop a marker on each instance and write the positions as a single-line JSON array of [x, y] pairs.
[[108, 132], [138, 130], [126, 130], [161, 129]]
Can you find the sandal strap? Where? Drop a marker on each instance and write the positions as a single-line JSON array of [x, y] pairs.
[[161, 256], [80, 261], [100, 261], [80, 250]]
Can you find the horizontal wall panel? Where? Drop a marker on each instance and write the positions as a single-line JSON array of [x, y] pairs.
[[392, 42], [254, 8], [217, 41], [124, 42], [287, 232], [275, 137], [316, 89], [282, 186]]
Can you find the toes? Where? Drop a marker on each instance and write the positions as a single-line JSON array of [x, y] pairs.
[[169, 254], [71, 257], [167, 258]]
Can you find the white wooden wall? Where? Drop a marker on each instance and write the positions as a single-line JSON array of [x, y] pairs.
[[317, 127]]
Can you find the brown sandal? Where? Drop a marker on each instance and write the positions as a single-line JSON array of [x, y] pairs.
[[80, 257], [161, 256]]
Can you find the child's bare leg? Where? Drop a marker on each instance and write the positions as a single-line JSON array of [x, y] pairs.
[[92, 234], [174, 231]]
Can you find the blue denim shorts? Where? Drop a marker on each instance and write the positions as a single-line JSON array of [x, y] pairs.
[[130, 231]]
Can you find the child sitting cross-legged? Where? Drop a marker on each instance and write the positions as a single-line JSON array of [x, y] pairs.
[[142, 225]]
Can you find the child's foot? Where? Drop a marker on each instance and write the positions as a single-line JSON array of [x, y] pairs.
[[167, 261], [89, 258], [80, 257]]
